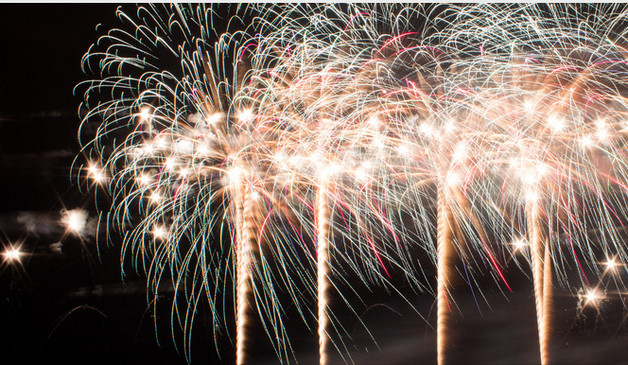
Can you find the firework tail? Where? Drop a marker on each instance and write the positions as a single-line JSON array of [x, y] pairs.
[[443, 253], [538, 269], [245, 237], [547, 295], [322, 229]]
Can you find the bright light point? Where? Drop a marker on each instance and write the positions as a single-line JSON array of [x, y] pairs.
[[361, 174], [255, 195], [155, 197], [519, 244], [145, 114], [602, 133], [184, 147], [161, 142], [374, 122], [592, 297], [426, 129], [315, 157], [531, 175], [214, 118], [184, 172], [75, 220], [610, 264], [529, 106], [12, 254], [460, 152], [450, 127], [143, 180], [245, 115], [280, 156], [403, 149], [169, 164], [378, 143], [294, 160], [202, 149], [96, 173], [556, 124], [329, 170], [542, 170], [159, 232], [586, 141], [453, 178], [532, 196], [235, 174]]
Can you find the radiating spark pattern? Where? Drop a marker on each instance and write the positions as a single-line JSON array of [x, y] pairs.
[[334, 139]]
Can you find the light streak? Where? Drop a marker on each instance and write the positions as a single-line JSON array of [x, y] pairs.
[[444, 252], [322, 258]]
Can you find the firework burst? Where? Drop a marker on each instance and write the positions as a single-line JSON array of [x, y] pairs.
[[331, 138]]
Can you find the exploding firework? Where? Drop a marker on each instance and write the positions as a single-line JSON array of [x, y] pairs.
[[186, 163], [331, 138]]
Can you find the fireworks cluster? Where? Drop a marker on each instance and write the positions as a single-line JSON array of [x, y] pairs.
[[307, 142]]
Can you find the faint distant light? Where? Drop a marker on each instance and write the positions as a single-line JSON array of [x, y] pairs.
[[75, 220], [12, 254]]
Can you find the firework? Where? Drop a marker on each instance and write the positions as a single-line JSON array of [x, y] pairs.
[[482, 126], [184, 163]]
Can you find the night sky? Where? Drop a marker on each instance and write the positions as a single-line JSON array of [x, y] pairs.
[[66, 301], [64, 304]]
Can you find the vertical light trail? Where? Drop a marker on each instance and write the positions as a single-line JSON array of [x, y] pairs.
[[245, 239], [322, 257], [443, 252], [536, 246], [547, 295]]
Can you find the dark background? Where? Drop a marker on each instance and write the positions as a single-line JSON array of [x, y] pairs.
[[66, 303], [63, 304]]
